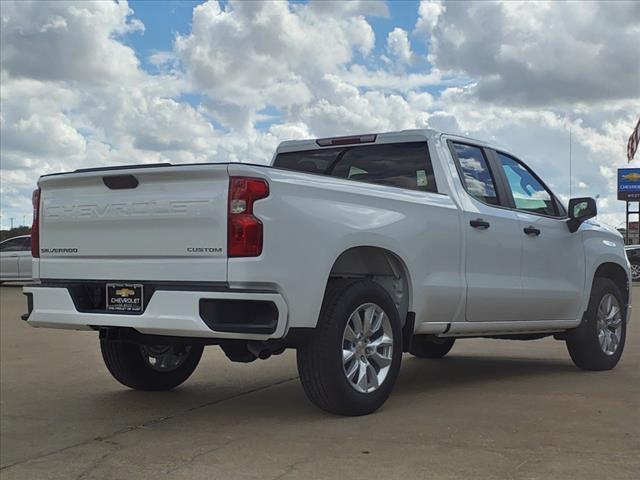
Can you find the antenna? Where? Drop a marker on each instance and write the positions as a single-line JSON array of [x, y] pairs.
[[570, 166]]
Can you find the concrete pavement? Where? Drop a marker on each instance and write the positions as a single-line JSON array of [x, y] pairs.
[[490, 409]]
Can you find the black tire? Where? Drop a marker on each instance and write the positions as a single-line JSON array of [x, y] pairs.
[[320, 360], [425, 346], [127, 365], [583, 343]]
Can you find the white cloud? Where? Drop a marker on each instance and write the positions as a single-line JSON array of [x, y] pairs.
[[429, 12], [360, 76], [340, 8], [399, 46], [538, 53], [68, 41], [250, 55]]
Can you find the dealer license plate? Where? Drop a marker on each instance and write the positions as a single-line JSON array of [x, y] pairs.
[[124, 297]]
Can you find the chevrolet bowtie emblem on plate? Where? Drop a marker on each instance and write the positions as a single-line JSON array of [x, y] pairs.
[[124, 298], [125, 292], [633, 177]]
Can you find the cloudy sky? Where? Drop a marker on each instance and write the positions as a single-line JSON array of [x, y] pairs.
[[90, 84]]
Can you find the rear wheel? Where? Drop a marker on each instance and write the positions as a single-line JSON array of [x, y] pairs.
[[351, 364], [425, 346], [150, 367], [598, 342]]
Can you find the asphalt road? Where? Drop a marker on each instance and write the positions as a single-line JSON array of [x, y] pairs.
[[490, 409]]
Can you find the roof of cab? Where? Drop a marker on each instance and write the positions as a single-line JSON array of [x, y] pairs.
[[385, 137]]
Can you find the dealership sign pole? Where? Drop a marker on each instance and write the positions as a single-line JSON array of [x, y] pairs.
[[629, 179]]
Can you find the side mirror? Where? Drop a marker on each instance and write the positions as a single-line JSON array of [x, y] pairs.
[[580, 210]]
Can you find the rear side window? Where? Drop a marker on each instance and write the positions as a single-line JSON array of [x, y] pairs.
[[404, 165], [476, 176]]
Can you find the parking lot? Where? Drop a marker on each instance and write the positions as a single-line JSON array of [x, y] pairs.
[[491, 409]]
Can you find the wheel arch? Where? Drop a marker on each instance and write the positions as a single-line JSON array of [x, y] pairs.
[[381, 266], [616, 273]]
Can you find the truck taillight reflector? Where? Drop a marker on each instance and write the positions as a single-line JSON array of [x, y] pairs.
[[35, 227], [244, 230]]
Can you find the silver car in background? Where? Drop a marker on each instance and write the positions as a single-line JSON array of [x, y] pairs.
[[15, 259], [633, 254]]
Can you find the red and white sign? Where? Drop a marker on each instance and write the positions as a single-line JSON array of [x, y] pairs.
[[634, 140]]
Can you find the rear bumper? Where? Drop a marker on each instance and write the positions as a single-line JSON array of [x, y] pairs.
[[169, 312]]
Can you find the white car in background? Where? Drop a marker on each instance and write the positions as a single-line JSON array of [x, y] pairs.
[[15, 259]]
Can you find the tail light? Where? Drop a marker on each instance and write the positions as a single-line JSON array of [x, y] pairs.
[[35, 227], [244, 230]]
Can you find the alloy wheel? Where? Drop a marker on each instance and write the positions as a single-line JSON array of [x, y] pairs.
[[635, 271], [367, 348], [609, 324]]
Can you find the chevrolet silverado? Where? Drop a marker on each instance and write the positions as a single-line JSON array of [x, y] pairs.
[[352, 250]]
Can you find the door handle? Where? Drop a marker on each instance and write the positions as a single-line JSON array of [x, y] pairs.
[[531, 230], [479, 223]]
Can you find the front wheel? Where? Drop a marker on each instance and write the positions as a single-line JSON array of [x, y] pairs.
[[351, 364], [598, 342], [150, 367]]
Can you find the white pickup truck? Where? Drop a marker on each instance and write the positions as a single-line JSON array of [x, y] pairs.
[[352, 250]]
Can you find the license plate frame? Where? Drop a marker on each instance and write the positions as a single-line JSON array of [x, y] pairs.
[[126, 298]]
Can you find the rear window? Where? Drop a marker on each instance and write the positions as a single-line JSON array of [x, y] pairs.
[[404, 165]]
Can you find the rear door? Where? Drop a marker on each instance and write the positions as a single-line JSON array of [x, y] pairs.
[[163, 223], [553, 258], [493, 239]]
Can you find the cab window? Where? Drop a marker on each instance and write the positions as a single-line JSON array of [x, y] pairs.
[[528, 193], [476, 175]]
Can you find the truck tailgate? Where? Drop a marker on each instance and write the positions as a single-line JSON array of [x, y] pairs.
[[135, 224]]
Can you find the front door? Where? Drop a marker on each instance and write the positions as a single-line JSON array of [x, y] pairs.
[[553, 262]]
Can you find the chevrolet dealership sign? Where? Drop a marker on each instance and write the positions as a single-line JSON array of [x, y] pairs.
[[629, 184]]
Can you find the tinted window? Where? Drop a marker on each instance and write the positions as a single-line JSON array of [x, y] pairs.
[[405, 165], [476, 175], [528, 193], [16, 245]]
